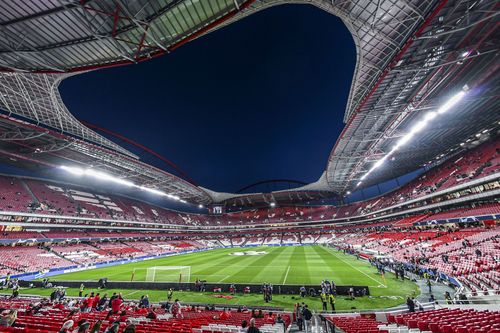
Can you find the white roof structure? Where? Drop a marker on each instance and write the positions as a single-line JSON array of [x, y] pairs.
[[412, 55]]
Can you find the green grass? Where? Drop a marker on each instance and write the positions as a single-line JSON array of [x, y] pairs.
[[281, 265]]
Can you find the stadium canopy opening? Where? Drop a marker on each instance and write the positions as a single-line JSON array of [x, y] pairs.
[[413, 56]]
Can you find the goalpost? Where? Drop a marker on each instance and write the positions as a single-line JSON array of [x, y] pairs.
[[178, 274]]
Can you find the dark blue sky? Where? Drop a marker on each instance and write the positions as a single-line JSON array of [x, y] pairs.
[[260, 99]]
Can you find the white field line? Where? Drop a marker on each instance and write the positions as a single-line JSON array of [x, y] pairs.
[[134, 292], [223, 278], [286, 275], [368, 276]]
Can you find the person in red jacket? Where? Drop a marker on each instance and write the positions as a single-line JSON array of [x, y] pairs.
[[270, 318], [97, 298], [89, 302], [225, 314], [123, 317], [84, 304], [116, 304]]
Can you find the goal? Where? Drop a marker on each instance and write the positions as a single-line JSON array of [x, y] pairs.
[[180, 274]]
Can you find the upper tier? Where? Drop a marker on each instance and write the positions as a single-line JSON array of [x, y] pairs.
[[56, 199]]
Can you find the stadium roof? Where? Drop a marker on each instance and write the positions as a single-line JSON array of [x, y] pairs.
[[412, 55]]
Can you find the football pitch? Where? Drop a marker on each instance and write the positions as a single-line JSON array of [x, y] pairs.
[[277, 265]]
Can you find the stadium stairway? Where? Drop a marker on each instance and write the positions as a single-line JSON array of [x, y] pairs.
[[28, 190]]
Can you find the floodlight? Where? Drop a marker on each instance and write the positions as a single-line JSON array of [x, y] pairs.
[[404, 140], [418, 127], [451, 102], [98, 174], [73, 170], [272, 204], [123, 182], [107, 177], [152, 190], [379, 162], [430, 115]]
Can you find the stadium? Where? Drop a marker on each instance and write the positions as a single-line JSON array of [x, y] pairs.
[[399, 233]]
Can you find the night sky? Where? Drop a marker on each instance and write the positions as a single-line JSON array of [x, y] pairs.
[[260, 99]]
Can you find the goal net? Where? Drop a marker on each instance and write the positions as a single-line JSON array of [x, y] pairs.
[[180, 274]]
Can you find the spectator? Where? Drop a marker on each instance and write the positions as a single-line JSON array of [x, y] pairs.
[[244, 325], [270, 319], [83, 327], [279, 320], [307, 318], [123, 317], [97, 327], [8, 319], [113, 328], [177, 309], [151, 315], [96, 300], [130, 328], [66, 327], [252, 328], [144, 302], [225, 314], [411, 304], [102, 302], [116, 304], [300, 317]]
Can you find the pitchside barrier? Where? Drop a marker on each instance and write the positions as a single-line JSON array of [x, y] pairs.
[[209, 287]]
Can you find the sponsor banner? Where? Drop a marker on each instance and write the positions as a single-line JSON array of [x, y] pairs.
[[466, 219]]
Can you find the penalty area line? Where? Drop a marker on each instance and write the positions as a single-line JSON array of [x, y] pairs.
[[286, 275]]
